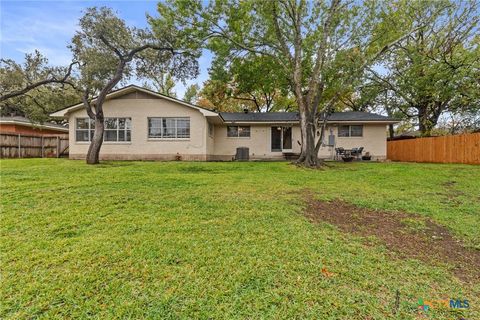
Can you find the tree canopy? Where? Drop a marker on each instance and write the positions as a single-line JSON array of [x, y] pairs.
[[435, 70], [110, 52], [320, 47], [34, 88]]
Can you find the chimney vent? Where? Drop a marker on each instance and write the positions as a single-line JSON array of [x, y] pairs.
[[245, 110]]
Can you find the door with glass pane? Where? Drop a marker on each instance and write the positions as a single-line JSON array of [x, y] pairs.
[[287, 139], [281, 140]]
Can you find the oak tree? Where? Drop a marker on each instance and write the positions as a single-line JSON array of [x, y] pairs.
[[109, 52], [320, 46]]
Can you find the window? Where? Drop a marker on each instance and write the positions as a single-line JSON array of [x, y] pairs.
[[350, 131], [238, 131], [116, 129], [210, 129], [169, 128]]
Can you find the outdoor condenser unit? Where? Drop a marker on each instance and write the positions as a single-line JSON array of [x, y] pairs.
[[242, 154]]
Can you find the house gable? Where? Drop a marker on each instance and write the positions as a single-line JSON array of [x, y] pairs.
[[134, 92], [136, 95]]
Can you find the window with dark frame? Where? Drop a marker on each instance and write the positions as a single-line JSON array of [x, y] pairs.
[[169, 128], [116, 129], [350, 131], [238, 131]]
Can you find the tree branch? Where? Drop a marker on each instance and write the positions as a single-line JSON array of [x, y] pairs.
[[29, 87]]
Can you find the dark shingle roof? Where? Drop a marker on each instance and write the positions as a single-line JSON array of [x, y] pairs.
[[293, 116], [259, 116]]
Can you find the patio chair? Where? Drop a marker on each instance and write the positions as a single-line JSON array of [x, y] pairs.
[[339, 152], [357, 152]]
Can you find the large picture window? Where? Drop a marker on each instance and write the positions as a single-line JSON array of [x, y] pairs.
[[169, 128], [116, 129], [238, 131], [350, 131]]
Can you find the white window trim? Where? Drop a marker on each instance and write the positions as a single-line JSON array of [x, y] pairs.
[[104, 142], [166, 138]]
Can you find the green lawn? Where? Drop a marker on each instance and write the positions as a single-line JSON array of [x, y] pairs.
[[171, 240]]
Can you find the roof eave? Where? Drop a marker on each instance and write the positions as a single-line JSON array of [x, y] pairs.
[[27, 124], [364, 121], [260, 121], [297, 121]]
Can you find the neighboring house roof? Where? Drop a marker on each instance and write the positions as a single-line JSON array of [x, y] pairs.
[[128, 89], [22, 121], [348, 116]]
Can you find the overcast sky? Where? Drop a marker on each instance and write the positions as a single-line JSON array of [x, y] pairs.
[[49, 25]]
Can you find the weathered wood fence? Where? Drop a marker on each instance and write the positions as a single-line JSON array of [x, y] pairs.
[[462, 148], [15, 145]]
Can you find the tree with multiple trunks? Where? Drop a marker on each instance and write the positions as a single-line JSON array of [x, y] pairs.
[[109, 52], [435, 70], [320, 46]]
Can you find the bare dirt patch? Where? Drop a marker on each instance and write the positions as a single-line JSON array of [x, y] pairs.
[[410, 236]]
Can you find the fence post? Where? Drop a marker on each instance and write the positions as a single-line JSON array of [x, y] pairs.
[[58, 147], [42, 143], [19, 145]]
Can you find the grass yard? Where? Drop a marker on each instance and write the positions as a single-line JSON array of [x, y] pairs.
[[169, 240]]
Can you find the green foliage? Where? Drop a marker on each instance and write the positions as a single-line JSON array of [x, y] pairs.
[[191, 93], [162, 83], [171, 240], [314, 51], [256, 82], [435, 70], [38, 102], [104, 40]]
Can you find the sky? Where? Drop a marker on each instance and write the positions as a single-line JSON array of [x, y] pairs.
[[49, 26]]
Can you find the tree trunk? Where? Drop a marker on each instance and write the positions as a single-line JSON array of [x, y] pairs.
[[426, 123], [308, 156], [93, 155], [391, 131]]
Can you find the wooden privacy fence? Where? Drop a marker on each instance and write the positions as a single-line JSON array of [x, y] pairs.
[[462, 148], [14, 145]]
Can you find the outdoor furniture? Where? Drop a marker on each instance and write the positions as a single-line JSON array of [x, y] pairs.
[[348, 153], [339, 152], [360, 150], [357, 152]]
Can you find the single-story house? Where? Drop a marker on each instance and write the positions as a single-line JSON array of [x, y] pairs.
[[22, 125], [144, 125]]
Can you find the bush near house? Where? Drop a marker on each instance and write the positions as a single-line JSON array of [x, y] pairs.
[[228, 240]]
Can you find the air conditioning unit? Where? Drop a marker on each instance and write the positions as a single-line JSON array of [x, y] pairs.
[[243, 154]]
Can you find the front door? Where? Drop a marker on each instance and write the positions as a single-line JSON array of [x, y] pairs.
[[281, 139]]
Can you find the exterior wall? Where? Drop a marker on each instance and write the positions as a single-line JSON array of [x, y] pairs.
[[210, 142], [141, 147], [259, 142], [15, 128], [374, 140], [201, 145]]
